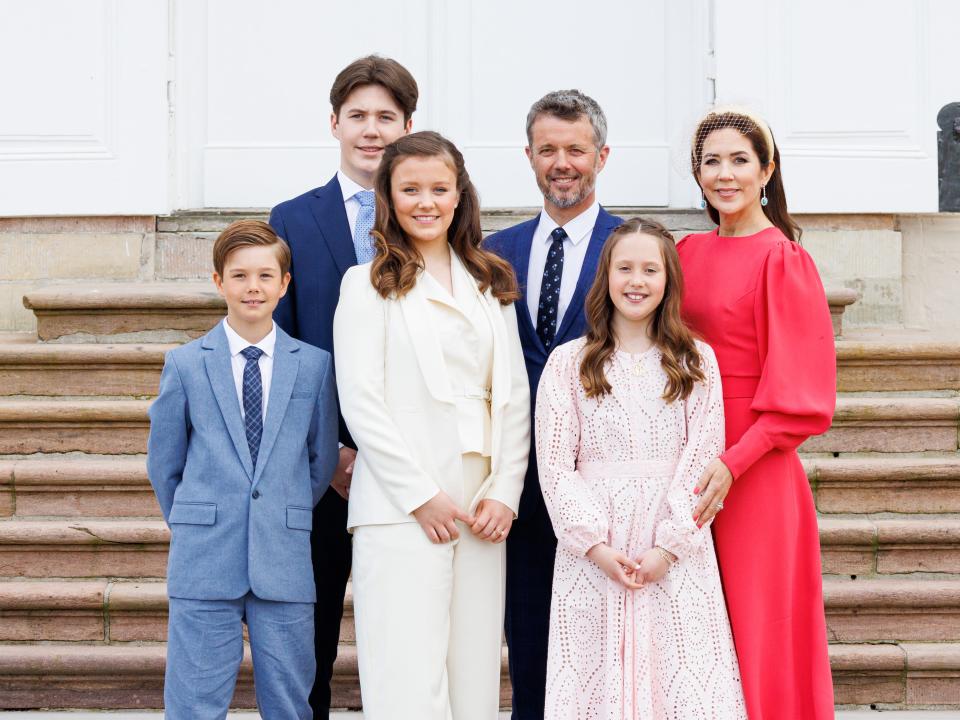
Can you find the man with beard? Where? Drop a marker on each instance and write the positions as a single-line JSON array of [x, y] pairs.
[[555, 257]]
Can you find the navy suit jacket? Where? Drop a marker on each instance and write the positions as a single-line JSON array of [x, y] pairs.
[[315, 227], [513, 244]]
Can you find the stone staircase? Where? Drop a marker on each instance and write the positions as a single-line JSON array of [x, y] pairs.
[[83, 549]]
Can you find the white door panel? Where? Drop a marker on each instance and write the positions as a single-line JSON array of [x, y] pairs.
[[84, 124]]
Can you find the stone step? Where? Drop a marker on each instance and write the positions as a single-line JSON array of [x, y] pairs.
[[80, 369], [83, 548], [891, 484], [861, 424], [166, 312], [120, 312], [77, 487], [98, 611], [886, 362], [92, 548], [898, 676], [902, 609], [107, 427], [865, 545], [118, 486], [890, 424], [895, 609], [121, 676]]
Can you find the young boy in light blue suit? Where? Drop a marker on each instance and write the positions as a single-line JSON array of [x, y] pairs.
[[243, 442]]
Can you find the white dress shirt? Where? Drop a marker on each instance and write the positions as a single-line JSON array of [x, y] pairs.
[[350, 203], [574, 251], [238, 362]]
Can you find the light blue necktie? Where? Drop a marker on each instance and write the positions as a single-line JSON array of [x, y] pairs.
[[252, 400], [362, 242]]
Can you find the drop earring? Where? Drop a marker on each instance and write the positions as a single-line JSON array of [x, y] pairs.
[[763, 196], [703, 201]]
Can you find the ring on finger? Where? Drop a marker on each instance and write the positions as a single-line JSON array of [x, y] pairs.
[[719, 505], [499, 532]]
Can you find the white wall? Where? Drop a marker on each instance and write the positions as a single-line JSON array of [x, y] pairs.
[[479, 66], [852, 90], [83, 126], [112, 107]]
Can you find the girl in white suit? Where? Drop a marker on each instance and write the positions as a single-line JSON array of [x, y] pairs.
[[433, 388]]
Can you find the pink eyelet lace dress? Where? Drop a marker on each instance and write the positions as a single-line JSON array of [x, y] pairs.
[[621, 469]]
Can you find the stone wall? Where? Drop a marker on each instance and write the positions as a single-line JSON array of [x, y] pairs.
[[905, 268], [41, 251]]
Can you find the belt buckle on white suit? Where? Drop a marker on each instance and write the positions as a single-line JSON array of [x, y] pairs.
[[475, 392]]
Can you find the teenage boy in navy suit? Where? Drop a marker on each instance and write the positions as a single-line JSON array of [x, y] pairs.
[[555, 257], [328, 229], [242, 446]]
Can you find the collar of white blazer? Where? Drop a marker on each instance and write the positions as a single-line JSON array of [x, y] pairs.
[[426, 344]]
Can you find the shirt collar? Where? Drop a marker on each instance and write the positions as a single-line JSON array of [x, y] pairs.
[[237, 343], [348, 186], [578, 229]]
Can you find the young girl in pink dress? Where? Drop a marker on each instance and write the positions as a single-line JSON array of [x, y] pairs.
[[627, 418]]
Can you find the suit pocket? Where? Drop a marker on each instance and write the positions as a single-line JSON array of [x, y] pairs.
[[299, 518], [302, 396], [193, 513]]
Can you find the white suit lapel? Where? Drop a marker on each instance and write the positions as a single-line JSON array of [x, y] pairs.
[[426, 344]]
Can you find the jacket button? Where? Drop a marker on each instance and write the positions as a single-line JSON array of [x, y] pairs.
[[256, 494]]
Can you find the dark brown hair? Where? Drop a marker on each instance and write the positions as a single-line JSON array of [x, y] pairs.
[[376, 70], [397, 262], [776, 208], [679, 355], [249, 233]]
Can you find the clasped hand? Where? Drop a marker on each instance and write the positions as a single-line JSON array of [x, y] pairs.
[[650, 567], [438, 516]]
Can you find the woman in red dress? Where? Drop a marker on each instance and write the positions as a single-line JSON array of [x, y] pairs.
[[755, 296]]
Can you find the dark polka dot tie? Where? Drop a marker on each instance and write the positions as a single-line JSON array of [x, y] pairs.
[[548, 315], [252, 400]]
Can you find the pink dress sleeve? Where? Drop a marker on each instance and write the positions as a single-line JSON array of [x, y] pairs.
[[797, 390], [579, 520], [677, 531]]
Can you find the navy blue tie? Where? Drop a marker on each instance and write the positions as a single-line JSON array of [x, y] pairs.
[[252, 400], [548, 312]]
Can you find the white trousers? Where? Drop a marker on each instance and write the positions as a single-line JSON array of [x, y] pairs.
[[429, 619]]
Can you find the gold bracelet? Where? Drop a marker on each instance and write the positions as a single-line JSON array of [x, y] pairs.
[[667, 556]]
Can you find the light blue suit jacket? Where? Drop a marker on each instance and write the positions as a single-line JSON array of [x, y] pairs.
[[235, 528]]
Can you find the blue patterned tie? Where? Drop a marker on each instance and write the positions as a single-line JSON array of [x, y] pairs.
[[362, 242], [548, 315], [252, 400]]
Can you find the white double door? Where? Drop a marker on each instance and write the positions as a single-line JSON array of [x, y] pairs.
[[147, 106]]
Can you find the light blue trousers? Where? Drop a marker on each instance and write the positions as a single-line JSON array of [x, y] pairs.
[[205, 647]]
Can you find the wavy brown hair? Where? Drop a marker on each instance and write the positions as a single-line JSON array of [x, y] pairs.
[[776, 208], [397, 262], [679, 355]]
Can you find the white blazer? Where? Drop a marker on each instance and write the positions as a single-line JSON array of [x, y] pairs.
[[395, 396]]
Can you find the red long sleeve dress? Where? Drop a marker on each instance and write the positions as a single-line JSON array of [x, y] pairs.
[[758, 301]]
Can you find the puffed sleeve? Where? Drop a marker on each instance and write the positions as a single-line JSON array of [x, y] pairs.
[[703, 412], [579, 519], [797, 391], [359, 341]]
